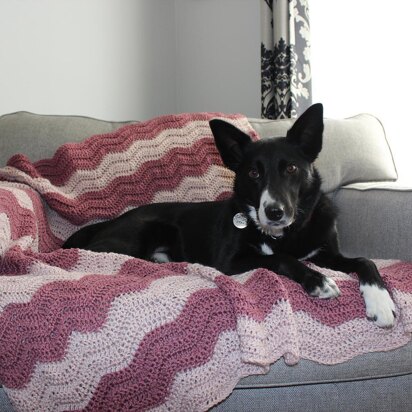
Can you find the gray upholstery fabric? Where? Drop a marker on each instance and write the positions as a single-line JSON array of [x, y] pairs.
[[375, 220], [5, 405], [376, 395], [354, 149], [39, 136], [368, 366]]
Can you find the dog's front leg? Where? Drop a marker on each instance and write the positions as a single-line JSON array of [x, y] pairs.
[[313, 282], [379, 305]]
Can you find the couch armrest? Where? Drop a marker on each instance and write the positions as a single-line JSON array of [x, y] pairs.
[[375, 220]]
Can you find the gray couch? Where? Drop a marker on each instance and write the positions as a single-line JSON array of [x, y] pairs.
[[375, 221]]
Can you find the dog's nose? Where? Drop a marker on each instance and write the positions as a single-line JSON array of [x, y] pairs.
[[274, 212]]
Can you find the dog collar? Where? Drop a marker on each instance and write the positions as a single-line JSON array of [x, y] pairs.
[[240, 220]]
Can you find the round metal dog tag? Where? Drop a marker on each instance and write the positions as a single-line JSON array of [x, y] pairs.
[[240, 220]]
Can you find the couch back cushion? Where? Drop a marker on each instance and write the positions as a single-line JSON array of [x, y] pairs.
[[38, 136], [354, 149]]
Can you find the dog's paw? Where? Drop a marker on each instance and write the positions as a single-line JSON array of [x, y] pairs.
[[327, 289], [379, 305]]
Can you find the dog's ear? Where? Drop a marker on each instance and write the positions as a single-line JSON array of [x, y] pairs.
[[230, 141], [306, 132]]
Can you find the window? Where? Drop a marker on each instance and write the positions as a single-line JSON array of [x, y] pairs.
[[361, 63]]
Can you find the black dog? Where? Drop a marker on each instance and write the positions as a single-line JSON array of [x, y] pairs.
[[276, 218]]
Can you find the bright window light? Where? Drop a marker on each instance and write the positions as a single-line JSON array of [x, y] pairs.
[[361, 62]]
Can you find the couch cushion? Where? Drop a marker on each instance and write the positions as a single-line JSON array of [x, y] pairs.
[[5, 405], [354, 149], [368, 366], [377, 395], [38, 136]]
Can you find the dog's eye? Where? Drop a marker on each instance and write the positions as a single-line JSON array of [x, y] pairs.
[[291, 169], [254, 173]]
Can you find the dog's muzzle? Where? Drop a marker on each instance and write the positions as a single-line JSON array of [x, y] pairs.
[[273, 224], [273, 216]]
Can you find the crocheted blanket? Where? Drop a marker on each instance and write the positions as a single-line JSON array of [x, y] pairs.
[[94, 332]]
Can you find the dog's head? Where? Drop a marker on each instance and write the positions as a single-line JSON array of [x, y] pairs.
[[273, 175]]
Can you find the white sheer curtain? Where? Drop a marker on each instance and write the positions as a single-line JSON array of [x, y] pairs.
[[361, 62]]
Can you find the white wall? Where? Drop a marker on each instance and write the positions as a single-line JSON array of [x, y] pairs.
[[102, 58], [129, 59], [218, 56]]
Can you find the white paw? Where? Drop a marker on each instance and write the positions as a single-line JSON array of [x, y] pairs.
[[329, 289], [160, 255], [379, 305]]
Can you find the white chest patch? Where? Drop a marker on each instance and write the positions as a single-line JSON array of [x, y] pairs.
[[265, 249]]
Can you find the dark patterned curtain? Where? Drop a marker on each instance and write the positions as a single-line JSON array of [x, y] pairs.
[[285, 50]]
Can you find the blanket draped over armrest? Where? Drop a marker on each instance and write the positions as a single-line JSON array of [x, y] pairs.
[[105, 332]]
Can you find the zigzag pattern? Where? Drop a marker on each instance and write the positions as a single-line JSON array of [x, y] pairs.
[[93, 332], [105, 174]]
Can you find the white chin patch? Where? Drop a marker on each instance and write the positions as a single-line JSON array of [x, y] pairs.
[[379, 305]]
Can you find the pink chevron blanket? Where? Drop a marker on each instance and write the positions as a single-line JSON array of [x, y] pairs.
[[98, 332]]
